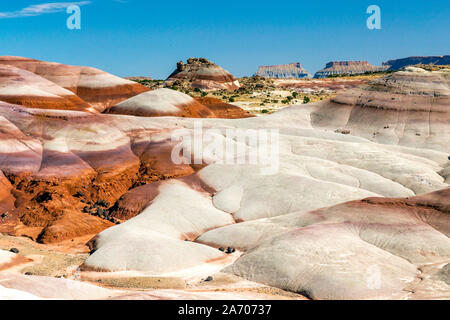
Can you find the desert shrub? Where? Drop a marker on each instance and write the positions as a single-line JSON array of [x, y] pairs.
[[306, 99]]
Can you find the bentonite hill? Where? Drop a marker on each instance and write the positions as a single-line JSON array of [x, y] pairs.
[[354, 202]]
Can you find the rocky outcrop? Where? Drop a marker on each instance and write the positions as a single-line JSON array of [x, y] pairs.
[[284, 71], [397, 64], [96, 87], [202, 74], [347, 67]]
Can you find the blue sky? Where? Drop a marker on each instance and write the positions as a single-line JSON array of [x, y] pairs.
[[147, 38]]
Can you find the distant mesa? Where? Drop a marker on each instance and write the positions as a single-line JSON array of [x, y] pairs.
[[397, 64], [347, 67], [284, 71], [137, 79], [98, 88], [202, 74]]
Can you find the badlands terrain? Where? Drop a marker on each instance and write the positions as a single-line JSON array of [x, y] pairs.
[[355, 205]]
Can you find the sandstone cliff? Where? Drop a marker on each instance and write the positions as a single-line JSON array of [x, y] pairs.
[[284, 71], [347, 67], [397, 64]]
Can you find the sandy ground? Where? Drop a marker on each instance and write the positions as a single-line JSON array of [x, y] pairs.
[[48, 260], [63, 260]]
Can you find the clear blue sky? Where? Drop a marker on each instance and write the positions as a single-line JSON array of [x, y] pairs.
[[147, 38]]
